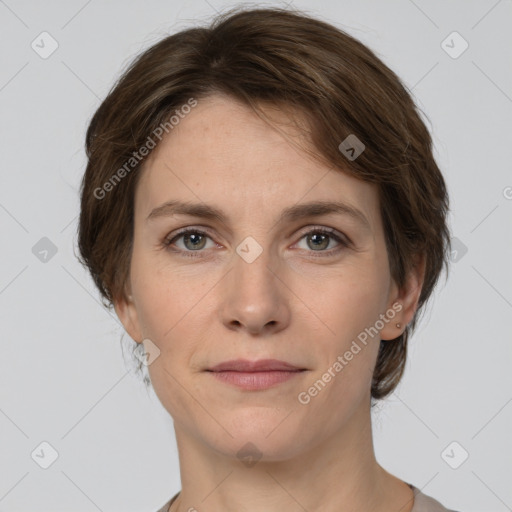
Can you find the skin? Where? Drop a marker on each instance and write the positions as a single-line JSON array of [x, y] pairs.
[[292, 303]]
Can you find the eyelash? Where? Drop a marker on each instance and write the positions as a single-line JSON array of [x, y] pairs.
[[167, 243]]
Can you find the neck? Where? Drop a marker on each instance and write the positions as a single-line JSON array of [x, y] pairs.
[[341, 474]]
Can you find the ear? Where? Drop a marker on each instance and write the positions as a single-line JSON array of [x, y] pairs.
[[125, 309], [407, 297]]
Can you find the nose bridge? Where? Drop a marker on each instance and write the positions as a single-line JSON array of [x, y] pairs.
[[253, 296], [251, 267]]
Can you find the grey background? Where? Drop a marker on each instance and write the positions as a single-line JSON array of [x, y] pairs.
[[63, 378]]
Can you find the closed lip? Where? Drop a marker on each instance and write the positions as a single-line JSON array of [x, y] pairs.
[[263, 365]]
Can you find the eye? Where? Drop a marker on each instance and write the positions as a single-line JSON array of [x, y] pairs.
[[195, 240], [319, 239]]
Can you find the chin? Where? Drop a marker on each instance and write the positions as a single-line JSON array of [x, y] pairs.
[[260, 434], [248, 448]]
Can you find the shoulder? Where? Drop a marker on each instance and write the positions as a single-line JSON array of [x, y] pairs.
[[425, 503], [165, 507]]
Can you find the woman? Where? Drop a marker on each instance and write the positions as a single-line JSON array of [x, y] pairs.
[[262, 208]]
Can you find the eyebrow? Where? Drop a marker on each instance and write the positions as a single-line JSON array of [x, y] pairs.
[[290, 214]]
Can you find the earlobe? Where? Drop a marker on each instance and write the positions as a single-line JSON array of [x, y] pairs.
[[404, 301]]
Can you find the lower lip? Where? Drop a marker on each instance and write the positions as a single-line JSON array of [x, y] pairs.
[[255, 380]]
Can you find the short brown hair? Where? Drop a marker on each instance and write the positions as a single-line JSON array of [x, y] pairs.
[[286, 58]]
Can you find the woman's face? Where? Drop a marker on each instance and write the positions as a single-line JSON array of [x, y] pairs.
[[256, 285]]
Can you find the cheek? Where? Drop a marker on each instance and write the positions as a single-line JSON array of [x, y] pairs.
[[346, 345], [334, 396], [170, 309], [343, 303], [346, 340], [167, 298]]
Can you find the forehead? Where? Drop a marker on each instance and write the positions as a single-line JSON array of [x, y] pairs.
[[223, 153]]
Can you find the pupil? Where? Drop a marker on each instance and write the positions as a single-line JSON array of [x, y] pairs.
[[193, 237], [316, 237]]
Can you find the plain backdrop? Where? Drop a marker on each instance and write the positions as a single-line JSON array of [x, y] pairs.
[[64, 381]]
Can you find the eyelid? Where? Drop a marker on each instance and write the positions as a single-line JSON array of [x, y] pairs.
[[188, 229], [302, 232], [325, 229]]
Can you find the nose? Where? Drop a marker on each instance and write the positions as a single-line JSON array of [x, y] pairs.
[[255, 298]]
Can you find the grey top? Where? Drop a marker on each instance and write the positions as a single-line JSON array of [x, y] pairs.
[[422, 503]]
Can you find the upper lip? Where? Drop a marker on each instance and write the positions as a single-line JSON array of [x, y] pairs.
[[262, 365]]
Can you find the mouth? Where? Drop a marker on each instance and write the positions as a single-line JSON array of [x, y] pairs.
[[255, 375]]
